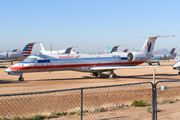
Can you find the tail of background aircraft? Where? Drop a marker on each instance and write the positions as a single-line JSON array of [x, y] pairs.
[[172, 51], [125, 50], [27, 49], [150, 42], [42, 47], [68, 50], [175, 54], [14, 50], [114, 49]]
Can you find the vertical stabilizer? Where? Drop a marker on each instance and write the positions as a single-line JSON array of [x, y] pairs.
[[172, 51], [114, 49], [27, 49], [150, 42], [68, 50], [42, 47]]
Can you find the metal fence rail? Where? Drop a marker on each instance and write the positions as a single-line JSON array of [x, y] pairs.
[[98, 103]]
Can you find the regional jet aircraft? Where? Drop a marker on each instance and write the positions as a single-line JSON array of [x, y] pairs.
[[94, 64], [44, 51], [16, 55], [159, 58], [176, 66]]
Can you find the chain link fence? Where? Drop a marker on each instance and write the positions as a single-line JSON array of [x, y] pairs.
[[113, 102]]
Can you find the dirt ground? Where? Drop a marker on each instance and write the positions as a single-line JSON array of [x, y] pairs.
[[43, 81]]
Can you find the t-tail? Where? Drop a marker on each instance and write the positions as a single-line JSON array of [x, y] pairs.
[[172, 51], [68, 50], [150, 42], [27, 49]]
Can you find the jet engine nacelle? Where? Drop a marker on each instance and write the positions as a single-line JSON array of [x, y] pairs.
[[13, 55], [138, 56]]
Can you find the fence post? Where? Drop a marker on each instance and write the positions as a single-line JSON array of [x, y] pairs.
[[81, 104], [154, 103]]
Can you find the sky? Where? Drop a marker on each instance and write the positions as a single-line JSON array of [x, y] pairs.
[[90, 25]]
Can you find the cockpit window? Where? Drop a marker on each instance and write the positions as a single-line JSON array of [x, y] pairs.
[[30, 60]]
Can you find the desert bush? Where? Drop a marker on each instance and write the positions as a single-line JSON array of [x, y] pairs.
[[15, 118], [165, 100], [149, 109], [139, 103]]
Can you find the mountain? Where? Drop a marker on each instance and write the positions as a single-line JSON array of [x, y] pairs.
[[161, 51]]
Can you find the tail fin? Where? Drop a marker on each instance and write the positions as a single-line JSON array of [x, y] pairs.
[[27, 49], [14, 50], [68, 50], [42, 47], [125, 50], [150, 42], [175, 54], [172, 51], [114, 49], [109, 48]]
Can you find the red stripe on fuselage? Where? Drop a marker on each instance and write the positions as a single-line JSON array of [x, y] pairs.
[[75, 65]]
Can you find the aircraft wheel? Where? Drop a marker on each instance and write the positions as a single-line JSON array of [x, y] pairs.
[[114, 76], [159, 63], [95, 74], [178, 72], [21, 78], [150, 63]]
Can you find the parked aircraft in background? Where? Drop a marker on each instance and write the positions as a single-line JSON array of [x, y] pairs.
[[115, 48], [67, 51], [159, 58], [16, 55], [176, 66], [94, 64]]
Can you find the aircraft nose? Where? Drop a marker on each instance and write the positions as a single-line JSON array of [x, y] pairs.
[[7, 70]]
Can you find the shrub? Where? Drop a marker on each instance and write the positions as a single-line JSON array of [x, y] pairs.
[[165, 100], [3, 118], [15, 118], [139, 103], [36, 117], [149, 109], [54, 115]]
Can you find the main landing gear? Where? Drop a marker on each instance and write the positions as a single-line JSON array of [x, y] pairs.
[[179, 72], [94, 74], [21, 78], [112, 74]]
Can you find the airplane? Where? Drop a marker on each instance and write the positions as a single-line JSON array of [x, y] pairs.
[[176, 66], [159, 58], [67, 51], [16, 55], [94, 64]]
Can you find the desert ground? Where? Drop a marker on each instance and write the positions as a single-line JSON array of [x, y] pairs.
[[45, 81]]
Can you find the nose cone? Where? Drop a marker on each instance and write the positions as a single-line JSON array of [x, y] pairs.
[[7, 70], [176, 65]]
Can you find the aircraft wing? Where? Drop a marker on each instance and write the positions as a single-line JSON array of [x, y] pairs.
[[104, 68]]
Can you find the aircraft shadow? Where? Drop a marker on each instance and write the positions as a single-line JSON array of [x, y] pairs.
[[3, 67], [8, 82]]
